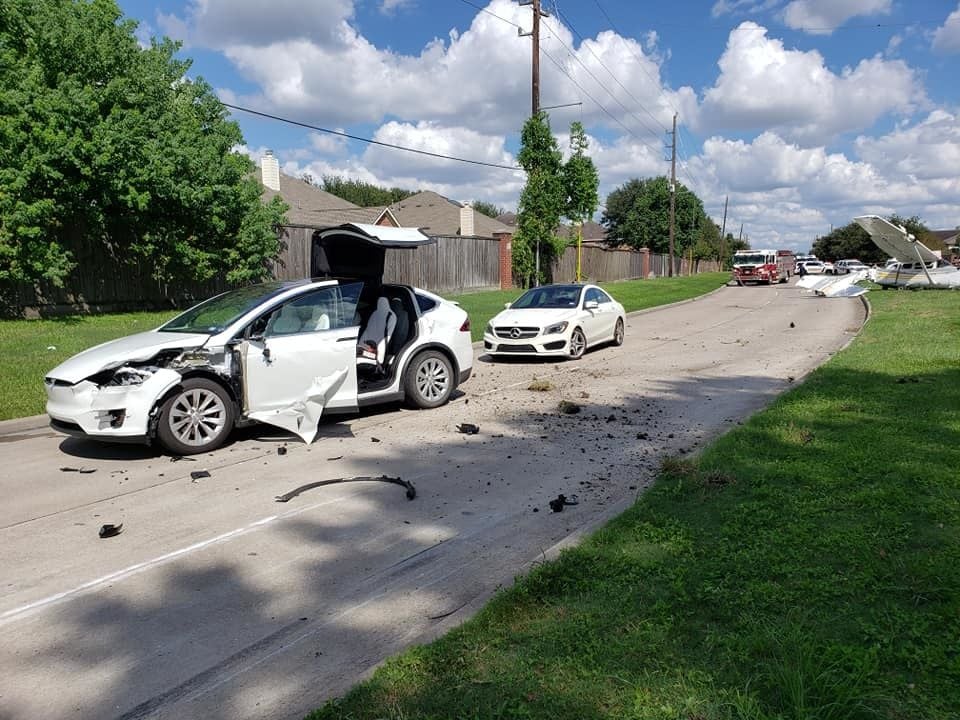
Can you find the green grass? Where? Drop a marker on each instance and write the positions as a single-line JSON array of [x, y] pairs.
[[25, 354], [805, 567]]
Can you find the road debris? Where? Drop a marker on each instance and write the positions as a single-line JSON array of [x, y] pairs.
[[109, 530], [81, 470], [338, 457], [568, 408], [539, 385], [374, 439], [178, 458], [411, 491], [468, 428], [282, 450], [557, 504], [198, 474]]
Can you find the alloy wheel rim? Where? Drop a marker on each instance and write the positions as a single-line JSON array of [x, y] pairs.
[[577, 343], [197, 417], [619, 332], [432, 379]]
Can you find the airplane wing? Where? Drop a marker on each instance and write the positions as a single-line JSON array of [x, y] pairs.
[[832, 286], [894, 240]]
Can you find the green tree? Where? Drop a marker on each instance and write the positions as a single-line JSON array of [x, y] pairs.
[[581, 183], [541, 202], [104, 142], [638, 214], [849, 241], [362, 193], [488, 209]]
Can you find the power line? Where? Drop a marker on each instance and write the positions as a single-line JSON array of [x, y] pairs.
[[639, 63], [569, 24], [596, 102], [370, 141], [597, 80]]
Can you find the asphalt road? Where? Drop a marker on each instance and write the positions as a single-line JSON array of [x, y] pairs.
[[218, 602]]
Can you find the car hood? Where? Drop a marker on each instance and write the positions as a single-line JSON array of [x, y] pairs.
[[540, 317], [132, 348]]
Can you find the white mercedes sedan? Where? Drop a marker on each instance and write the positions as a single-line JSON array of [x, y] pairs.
[[556, 320]]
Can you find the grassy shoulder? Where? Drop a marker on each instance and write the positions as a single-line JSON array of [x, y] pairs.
[[30, 348], [805, 566]]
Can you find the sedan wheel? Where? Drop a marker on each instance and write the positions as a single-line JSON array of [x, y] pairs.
[[429, 380], [578, 344], [618, 333], [198, 417]]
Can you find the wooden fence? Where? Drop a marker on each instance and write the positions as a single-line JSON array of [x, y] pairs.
[[102, 282]]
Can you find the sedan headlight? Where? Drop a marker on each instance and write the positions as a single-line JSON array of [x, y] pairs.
[[554, 329], [489, 330]]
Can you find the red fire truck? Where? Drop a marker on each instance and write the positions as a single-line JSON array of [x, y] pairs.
[[762, 266]]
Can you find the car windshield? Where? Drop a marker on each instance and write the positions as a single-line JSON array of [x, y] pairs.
[[216, 314], [754, 259], [551, 296]]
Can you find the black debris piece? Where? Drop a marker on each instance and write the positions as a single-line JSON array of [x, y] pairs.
[[560, 501], [178, 458], [81, 470], [110, 530], [411, 490], [568, 408], [792, 325], [197, 474], [282, 450], [373, 439], [468, 428], [338, 457]]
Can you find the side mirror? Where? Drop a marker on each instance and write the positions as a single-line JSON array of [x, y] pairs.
[[506, 306], [591, 305]]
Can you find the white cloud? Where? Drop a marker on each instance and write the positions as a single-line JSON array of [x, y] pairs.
[[764, 85], [946, 38], [388, 7], [725, 7], [927, 151], [328, 144], [822, 17]]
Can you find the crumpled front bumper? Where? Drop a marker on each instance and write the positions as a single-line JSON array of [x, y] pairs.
[[120, 412]]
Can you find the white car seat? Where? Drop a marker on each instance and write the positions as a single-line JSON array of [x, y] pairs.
[[285, 322], [372, 343]]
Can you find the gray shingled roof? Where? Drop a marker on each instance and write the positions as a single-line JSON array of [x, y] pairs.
[[437, 215], [306, 200]]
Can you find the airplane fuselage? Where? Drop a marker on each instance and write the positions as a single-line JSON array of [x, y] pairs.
[[915, 275]]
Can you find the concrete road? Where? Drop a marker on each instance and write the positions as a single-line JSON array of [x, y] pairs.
[[218, 602]]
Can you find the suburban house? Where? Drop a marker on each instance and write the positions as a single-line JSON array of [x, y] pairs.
[[472, 250]]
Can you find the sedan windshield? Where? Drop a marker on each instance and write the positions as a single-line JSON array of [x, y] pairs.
[[217, 313], [551, 296]]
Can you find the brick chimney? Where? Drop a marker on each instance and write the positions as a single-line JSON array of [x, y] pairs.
[[466, 220], [270, 171]]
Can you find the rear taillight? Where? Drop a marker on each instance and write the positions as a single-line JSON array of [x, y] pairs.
[[466, 326]]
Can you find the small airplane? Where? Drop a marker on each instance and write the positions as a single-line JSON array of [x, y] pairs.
[[914, 265]]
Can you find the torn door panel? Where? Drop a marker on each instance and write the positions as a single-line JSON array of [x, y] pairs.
[[301, 417]]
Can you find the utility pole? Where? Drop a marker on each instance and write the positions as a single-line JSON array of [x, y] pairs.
[[534, 91], [723, 232], [673, 189]]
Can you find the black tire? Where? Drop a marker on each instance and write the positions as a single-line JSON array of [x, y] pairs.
[[429, 380], [578, 344], [618, 333], [197, 417]]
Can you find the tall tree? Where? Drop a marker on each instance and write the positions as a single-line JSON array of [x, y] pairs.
[[105, 142], [541, 202], [638, 214], [581, 182], [362, 193]]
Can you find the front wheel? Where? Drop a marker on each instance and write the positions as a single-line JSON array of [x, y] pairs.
[[196, 418], [429, 380], [578, 344], [618, 333]]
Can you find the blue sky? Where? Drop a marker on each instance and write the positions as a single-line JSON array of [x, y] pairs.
[[804, 112]]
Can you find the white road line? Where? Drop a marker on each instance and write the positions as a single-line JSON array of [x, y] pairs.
[[16, 613]]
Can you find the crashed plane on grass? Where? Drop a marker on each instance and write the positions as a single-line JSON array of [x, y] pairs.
[[916, 266], [282, 353]]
